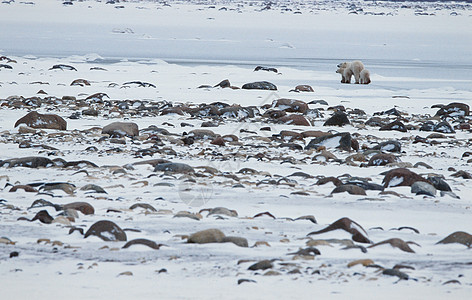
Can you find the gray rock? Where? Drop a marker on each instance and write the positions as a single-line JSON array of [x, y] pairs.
[[174, 168], [29, 162], [261, 265], [339, 118], [389, 146], [207, 236], [423, 188], [260, 85], [238, 241]]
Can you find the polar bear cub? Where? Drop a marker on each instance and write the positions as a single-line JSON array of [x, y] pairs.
[[355, 67], [364, 77]]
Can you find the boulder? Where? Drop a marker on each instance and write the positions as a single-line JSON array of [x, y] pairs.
[[454, 109], [290, 105], [401, 177], [120, 129], [339, 118], [381, 159], [260, 85], [294, 120], [339, 140], [395, 125], [107, 231], [43, 121]]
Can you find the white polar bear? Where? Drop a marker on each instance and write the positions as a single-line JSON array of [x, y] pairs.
[[346, 74], [355, 66], [364, 77]]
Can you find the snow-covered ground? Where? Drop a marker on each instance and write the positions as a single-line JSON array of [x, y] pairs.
[[418, 55]]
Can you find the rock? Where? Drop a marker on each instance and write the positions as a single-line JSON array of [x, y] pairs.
[[401, 177], [365, 262], [43, 216], [443, 127], [43, 121], [261, 265], [439, 183], [274, 114], [238, 241], [224, 84], [459, 237], [350, 188], [423, 188], [223, 211], [207, 236], [202, 134], [107, 231], [26, 130], [462, 174], [390, 146], [219, 141], [83, 207], [93, 187], [238, 112], [294, 120], [259, 85], [267, 69], [145, 242], [80, 82], [358, 233], [290, 105], [172, 110], [304, 88], [29, 162], [396, 243], [395, 125], [381, 159], [145, 206], [454, 109], [332, 179], [339, 118], [393, 272], [120, 129], [339, 140], [174, 168]]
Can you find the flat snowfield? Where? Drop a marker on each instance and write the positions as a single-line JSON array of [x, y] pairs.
[[207, 189]]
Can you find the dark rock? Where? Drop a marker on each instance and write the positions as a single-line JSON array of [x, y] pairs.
[[261, 265], [172, 110], [439, 183], [339, 118], [29, 162], [290, 105], [350, 188], [209, 124], [443, 127], [260, 85], [390, 112], [107, 231], [43, 121], [321, 102], [238, 241], [267, 69], [274, 113], [396, 243], [348, 225], [401, 177], [393, 272], [202, 134], [145, 242], [43, 216], [381, 159], [427, 126], [224, 84], [325, 180], [395, 125], [390, 146], [367, 185], [339, 140], [454, 110]]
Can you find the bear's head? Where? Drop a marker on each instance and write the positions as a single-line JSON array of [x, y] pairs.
[[343, 65]]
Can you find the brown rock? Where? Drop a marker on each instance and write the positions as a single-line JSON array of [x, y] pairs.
[[460, 237], [83, 207], [350, 188], [294, 120], [119, 129], [401, 177], [43, 121], [290, 105], [348, 225], [107, 231], [381, 159], [207, 236], [304, 88], [314, 133], [396, 243]]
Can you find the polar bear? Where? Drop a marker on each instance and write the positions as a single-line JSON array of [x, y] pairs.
[[364, 77], [346, 74], [355, 66]]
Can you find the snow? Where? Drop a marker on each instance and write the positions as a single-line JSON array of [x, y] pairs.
[[423, 59]]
